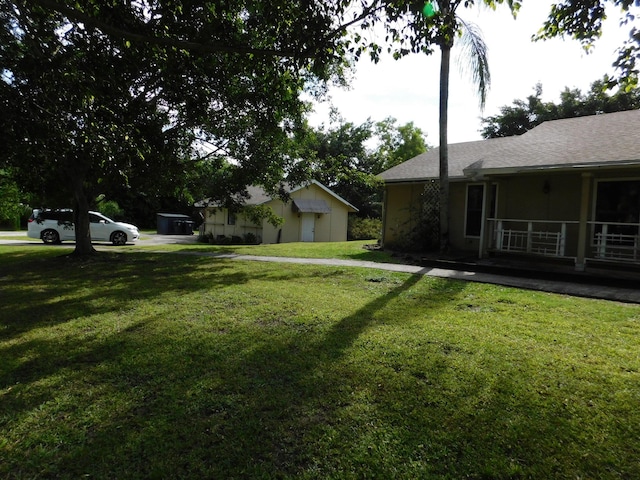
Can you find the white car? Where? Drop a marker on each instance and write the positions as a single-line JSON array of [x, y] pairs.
[[55, 226]]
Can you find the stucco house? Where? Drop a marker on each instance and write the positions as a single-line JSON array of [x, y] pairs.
[[567, 189], [313, 213]]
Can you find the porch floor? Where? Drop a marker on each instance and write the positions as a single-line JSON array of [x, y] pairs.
[[596, 273]]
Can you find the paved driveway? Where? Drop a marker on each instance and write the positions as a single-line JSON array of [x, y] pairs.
[[145, 239]]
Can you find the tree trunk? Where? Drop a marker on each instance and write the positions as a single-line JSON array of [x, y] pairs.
[[81, 220], [444, 147]]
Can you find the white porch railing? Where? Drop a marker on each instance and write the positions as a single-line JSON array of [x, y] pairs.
[[547, 238], [615, 241]]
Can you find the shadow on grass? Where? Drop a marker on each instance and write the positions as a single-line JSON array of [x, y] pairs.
[[275, 399], [58, 289]]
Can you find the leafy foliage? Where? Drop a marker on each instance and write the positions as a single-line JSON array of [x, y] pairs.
[[397, 143], [10, 197], [364, 228], [102, 94], [347, 157], [523, 115], [583, 22]]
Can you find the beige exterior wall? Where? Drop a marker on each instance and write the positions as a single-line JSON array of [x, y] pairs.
[[216, 223], [329, 227], [553, 198], [518, 197], [402, 206], [540, 197]]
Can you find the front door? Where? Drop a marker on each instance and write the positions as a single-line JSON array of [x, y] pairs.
[[308, 227]]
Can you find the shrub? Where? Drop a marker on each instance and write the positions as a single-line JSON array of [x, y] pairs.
[[109, 208], [364, 228], [250, 238]]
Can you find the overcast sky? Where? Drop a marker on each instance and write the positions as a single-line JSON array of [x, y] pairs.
[[408, 89]]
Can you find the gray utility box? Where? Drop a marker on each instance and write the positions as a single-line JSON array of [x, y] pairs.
[[174, 224]]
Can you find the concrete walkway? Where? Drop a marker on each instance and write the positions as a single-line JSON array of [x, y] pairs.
[[580, 288], [591, 287]]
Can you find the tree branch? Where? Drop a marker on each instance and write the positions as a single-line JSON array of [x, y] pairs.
[[78, 16]]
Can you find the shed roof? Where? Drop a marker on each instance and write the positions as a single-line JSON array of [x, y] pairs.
[[584, 142], [308, 205], [173, 215], [258, 196]]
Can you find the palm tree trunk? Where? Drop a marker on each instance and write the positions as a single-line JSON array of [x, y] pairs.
[[444, 147]]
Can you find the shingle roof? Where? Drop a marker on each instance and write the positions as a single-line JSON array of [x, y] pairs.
[[596, 140], [461, 155], [258, 196]]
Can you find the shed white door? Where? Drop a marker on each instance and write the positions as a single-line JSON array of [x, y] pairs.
[[308, 227]]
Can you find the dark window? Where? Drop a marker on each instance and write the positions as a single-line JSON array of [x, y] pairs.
[[475, 194], [231, 219], [61, 216], [618, 202]]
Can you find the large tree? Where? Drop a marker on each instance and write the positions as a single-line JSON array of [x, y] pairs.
[[583, 21], [523, 115], [397, 143], [99, 92], [347, 157], [421, 27]]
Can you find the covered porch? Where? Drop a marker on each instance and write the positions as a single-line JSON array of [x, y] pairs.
[[602, 228], [608, 242]]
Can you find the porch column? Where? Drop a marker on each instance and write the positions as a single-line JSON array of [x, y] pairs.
[[584, 218]]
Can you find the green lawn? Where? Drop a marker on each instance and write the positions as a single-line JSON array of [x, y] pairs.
[[154, 365], [356, 250]]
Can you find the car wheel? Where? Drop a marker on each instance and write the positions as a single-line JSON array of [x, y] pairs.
[[50, 236], [119, 238]]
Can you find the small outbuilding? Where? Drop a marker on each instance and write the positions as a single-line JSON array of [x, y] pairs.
[[313, 213], [174, 224]]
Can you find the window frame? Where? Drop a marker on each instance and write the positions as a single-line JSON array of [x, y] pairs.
[[492, 208]]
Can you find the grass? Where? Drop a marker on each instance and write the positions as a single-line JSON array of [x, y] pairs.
[[353, 250], [343, 250], [145, 365]]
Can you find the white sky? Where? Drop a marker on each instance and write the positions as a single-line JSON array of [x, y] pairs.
[[408, 90]]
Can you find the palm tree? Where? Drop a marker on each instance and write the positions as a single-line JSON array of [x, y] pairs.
[[475, 52]]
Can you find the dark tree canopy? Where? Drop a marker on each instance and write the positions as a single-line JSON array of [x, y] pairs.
[[523, 115], [347, 157], [86, 103], [583, 21], [397, 143]]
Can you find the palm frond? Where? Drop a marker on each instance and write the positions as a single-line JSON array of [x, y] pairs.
[[473, 59]]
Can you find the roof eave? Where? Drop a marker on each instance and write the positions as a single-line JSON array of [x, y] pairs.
[[485, 172], [407, 181]]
